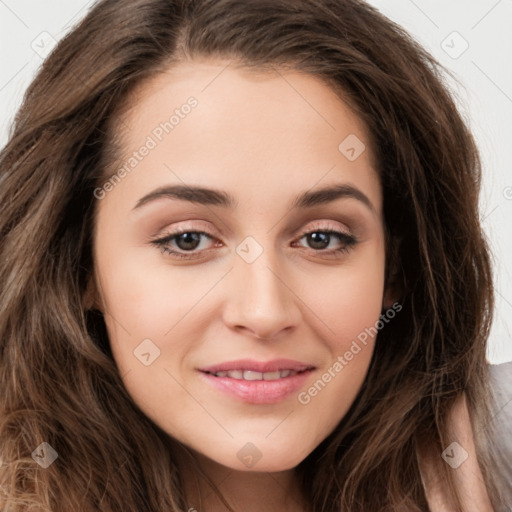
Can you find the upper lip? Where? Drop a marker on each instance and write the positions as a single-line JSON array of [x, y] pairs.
[[258, 366]]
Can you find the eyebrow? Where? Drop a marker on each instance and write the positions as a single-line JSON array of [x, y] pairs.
[[213, 197]]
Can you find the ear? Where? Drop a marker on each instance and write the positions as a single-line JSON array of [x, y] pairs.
[[92, 298]]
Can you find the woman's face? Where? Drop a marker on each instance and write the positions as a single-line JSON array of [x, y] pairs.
[[255, 169]]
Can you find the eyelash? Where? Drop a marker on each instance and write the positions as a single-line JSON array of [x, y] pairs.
[[349, 241]]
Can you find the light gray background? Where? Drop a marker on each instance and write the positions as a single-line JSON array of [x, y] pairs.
[[29, 28]]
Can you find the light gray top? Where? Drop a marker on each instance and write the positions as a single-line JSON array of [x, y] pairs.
[[501, 379]]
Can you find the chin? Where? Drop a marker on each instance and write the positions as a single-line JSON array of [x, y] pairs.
[[265, 457]]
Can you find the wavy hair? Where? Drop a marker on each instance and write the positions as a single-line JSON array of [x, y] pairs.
[[59, 383]]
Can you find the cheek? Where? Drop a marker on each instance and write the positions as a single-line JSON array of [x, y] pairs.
[[350, 306], [349, 301], [160, 303], [150, 300]]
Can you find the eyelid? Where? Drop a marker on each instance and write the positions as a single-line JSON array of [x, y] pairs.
[[185, 228], [318, 226]]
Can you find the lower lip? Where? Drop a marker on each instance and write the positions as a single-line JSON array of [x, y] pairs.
[[259, 391]]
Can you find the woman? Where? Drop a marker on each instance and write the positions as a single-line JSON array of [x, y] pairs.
[[140, 372]]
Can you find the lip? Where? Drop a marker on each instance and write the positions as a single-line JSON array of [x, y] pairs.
[[258, 366], [258, 391]]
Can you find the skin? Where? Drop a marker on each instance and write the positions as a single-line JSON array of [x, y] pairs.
[[264, 138]]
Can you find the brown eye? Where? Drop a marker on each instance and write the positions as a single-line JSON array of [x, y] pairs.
[[188, 241], [319, 240], [180, 243]]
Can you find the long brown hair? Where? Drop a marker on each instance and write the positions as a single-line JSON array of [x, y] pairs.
[[58, 381]]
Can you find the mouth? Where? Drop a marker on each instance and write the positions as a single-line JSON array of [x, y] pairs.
[[256, 367], [258, 382], [254, 375]]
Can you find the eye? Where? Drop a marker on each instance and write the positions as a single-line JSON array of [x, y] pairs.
[[186, 243], [185, 240], [320, 239]]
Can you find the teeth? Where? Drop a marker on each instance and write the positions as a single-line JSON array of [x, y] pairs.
[[251, 375]]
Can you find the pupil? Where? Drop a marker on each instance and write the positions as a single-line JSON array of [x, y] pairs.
[[188, 238], [318, 238]]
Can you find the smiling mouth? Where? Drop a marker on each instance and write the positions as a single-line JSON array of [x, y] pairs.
[[257, 382], [253, 375]]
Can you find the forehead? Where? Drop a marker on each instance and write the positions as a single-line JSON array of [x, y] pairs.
[[258, 128]]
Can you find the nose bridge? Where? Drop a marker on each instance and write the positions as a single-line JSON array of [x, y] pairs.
[[262, 301]]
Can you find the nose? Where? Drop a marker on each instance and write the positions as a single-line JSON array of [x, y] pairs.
[[261, 299]]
